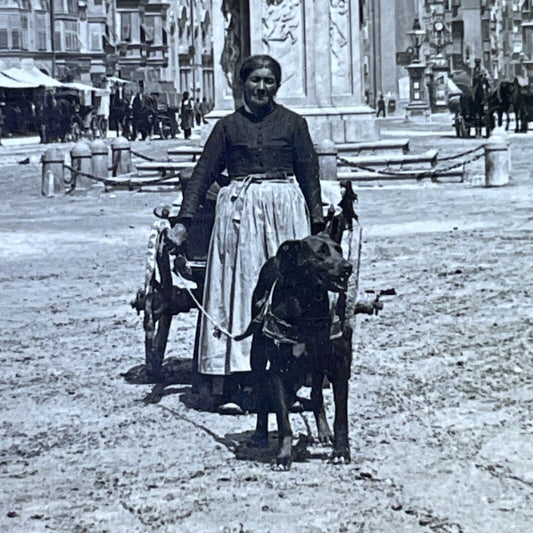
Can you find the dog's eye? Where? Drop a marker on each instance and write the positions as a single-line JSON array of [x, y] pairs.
[[323, 250]]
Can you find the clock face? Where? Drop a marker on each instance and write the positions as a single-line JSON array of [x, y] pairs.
[[439, 26]]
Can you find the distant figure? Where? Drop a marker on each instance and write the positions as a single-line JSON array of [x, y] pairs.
[[204, 109], [480, 73], [187, 118], [197, 112], [381, 106]]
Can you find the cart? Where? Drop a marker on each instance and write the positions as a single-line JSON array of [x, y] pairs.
[[168, 268]]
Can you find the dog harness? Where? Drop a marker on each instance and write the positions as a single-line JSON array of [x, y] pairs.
[[283, 332]]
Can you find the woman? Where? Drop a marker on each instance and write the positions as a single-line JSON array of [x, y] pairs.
[[187, 118], [273, 195]]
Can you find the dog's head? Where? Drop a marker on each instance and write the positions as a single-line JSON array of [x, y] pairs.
[[315, 258]]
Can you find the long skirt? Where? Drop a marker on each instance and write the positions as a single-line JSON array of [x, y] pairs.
[[252, 220]]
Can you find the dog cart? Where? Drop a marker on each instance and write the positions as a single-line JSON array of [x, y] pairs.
[[169, 269]]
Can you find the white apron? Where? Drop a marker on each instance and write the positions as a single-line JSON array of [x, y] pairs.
[[253, 217]]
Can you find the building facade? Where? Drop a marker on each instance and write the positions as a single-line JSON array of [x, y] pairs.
[[166, 43]]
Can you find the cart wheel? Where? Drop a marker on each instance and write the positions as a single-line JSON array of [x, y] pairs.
[[158, 289], [93, 125], [75, 131], [103, 128]]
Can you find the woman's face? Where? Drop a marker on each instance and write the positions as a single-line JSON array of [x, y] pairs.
[[260, 88]]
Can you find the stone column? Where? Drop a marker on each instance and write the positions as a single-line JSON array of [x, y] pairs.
[[317, 43]]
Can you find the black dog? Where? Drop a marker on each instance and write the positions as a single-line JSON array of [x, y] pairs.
[[297, 334]]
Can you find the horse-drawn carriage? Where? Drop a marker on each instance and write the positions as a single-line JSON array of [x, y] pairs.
[[480, 107], [153, 114], [472, 110], [71, 112]]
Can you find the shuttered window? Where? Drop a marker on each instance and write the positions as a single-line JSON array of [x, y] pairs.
[[3, 39]]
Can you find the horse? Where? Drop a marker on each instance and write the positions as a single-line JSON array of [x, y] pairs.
[[518, 100], [144, 111], [119, 112], [500, 102], [472, 105]]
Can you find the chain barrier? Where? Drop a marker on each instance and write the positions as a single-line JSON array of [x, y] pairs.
[[419, 174], [142, 156], [462, 154], [115, 181]]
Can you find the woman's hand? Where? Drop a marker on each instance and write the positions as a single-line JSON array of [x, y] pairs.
[[178, 234]]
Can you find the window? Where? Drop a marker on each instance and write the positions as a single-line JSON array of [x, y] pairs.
[[125, 27], [24, 26], [15, 39], [485, 30], [41, 32], [58, 6], [96, 37], [72, 7], [71, 36]]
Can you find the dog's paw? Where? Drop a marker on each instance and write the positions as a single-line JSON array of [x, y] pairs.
[[340, 457], [324, 438], [281, 464]]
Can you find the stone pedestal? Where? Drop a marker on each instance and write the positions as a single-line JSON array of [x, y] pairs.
[[417, 93], [317, 43]]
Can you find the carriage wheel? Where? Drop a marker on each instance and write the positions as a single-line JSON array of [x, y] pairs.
[[157, 290]]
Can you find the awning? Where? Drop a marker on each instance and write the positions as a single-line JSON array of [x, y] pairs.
[[114, 79], [33, 76], [9, 83], [79, 86]]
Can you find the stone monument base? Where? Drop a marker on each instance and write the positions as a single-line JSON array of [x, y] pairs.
[[340, 124]]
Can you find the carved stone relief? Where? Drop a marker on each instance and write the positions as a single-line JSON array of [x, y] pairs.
[[284, 39], [340, 42], [231, 52]]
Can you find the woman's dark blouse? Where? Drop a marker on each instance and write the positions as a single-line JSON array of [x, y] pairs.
[[244, 144]]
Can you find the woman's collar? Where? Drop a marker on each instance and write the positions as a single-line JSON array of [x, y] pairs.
[[247, 112]]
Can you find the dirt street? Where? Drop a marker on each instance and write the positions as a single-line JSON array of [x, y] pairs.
[[441, 393]]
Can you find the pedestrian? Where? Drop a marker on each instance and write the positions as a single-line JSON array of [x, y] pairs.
[[197, 112], [138, 105], [381, 106], [187, 118], [2, 104], [273, 195], [204, 109]]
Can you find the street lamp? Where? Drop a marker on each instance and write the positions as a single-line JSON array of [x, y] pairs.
[[417, 94], [417, 36]]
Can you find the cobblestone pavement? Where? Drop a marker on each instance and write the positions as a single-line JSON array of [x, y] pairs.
[[441, 393]]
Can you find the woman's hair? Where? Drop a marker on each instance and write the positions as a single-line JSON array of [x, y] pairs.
[[260, 61], [185, 95]]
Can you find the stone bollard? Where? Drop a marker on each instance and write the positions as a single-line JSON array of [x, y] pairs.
[[497, 159], [327, 159], [121, 156], [80, 159], [99, 158], [52, 181]]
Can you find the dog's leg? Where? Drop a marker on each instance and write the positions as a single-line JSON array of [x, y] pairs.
[[284, 457], [317, 400], [341, 446], [261, 386], [281, 405]]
